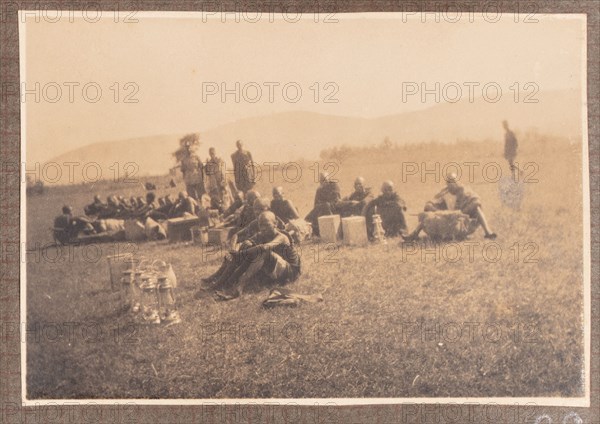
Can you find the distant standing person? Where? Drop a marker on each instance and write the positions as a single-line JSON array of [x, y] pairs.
[[243, 168], [217, 181], [510, 147], [192, 170]]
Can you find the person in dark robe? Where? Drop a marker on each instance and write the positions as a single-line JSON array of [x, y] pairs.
[[112, 210], [355, 204], [243, 168], [185, 205], [95, 207], [260, 205], [391, 208], [283, 208], [270, 256], [326, 201], [238, 202], [67, 227], [244, 214]]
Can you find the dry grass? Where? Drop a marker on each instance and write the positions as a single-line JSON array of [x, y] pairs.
[[364, 339]]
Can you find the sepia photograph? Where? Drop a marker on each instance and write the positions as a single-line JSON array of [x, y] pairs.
[[367, 208]]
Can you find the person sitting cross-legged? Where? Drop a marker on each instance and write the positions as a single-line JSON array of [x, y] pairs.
[[260, 205], [282, 207], [236, 239], [68, 227], [456, 197], [327, 199], [185, 205], [357, 201], [391, 208], [268, 256]]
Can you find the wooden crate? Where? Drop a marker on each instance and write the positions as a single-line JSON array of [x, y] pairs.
[[330, 228], [179, 229], [218, 236], [354, 229]]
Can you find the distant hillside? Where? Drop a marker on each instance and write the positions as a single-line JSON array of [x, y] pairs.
[[291, 135]]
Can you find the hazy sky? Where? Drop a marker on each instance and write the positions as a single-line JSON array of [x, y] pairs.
[[168, 61]]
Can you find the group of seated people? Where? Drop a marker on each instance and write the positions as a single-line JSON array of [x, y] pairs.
[[108, 217], [390, 207], [68, 228], [263, 233], [119, 207], [262, 244]]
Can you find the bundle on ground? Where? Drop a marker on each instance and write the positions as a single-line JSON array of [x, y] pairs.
[[447, 225]]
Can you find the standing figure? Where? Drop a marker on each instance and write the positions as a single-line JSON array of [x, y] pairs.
[[243, 168], [510, 148], [327, 199], [391, 209], [218, 189], [192, 170]]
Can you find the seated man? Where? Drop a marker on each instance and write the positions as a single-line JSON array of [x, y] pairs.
[[124, 202], [260, 205], [95, 207], [244, 215], [185, 205], [355, 203], [139, 203], [390, 208], [112, 209], [67, 227], [327, 198], [166, 206], [238, 202], [151, 209], [269, 256], [283, 208], [465, 200]]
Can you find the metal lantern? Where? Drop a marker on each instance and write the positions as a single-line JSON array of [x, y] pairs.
[[116, 265], [378, 232], [149, 299], [127, 281], [166, 301], [136, 293]]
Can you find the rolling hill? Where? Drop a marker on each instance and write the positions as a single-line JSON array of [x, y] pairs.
[[292, 135]]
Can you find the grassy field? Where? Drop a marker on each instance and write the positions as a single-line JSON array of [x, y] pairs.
[[394, 322]]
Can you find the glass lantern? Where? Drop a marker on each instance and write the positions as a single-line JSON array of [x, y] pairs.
[[166, 301], [136, 293], [149, 299], [127, 281]]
